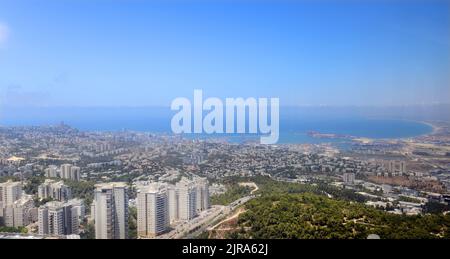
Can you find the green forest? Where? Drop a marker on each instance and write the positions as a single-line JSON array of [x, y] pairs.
[[233, 193], [304, 211], [307, 215]]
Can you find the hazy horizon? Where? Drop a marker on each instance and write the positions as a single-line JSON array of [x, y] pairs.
[[16, 116]]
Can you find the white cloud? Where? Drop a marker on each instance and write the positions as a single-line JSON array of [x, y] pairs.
[[4, 33]]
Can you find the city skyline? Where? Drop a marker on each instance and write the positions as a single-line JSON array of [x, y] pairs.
[[223, 127], [82, 53]]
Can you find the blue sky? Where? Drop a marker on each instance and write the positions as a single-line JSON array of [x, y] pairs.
[[136, 53]]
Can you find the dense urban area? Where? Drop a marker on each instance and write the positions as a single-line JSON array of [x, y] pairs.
[[57, 182]]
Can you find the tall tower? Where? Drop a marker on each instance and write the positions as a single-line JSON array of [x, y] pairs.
[[111, 211], [402, 167], [58, 218], [202, 194], [10, 192], [19, 213], [391, 166], [65, 171], [55, 190], [172, 194], [51, 171], [152, 210], [187, 198]]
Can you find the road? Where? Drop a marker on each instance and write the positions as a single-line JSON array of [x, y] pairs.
[[192, 228]]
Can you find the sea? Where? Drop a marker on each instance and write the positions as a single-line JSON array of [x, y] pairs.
[[295, 123]]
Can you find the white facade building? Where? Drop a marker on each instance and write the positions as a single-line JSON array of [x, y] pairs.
[[348, 178], [172, 194], [202, 195], [152, 210], [187, 198], [51, 172], [58, 218], [19, 213], [54, 190], [111, 211], [65, 171], [10, 192]]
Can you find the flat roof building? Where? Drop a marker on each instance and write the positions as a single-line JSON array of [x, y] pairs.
[[152, 210], [111, 211]]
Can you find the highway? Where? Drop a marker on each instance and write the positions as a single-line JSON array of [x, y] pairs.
[[192, 228]]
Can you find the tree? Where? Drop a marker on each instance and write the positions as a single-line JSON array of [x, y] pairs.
[[88, 231], [132, 223]]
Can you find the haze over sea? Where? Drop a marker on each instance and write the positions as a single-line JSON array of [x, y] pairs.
[[295, 123]]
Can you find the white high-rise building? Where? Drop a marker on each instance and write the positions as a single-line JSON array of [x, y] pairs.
[[10, 192], [402, 168], [348, 178], [391, 166], [58, 218], [65, 171], [51, 171], [78, 205], [111, 211], [187, 198], [172, 194], [396, 167], [152, 210], [202, 195], [55, 190], [19, 213]]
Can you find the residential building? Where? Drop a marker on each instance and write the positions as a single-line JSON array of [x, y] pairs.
[[187, 198], [55, 190], [172, 194], [152, 210], [20, 213], [58, 218], [202, 194], [111, 211], [348, 178], [10, 192], [65, 171], [51, 172], [75, 173]]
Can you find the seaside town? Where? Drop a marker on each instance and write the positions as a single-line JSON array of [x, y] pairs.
[[57, 182]]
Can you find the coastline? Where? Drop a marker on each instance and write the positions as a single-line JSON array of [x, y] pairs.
[[290, 136], [364, 139], [434, 130]]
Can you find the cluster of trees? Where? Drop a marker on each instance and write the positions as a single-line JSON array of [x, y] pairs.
[[269, 186], [435, 207], [233, 193], [318, 210], [132, 223], [83, 190], [307, 215], [31, 187], [22, 230], [128, 178], [88, 230]]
